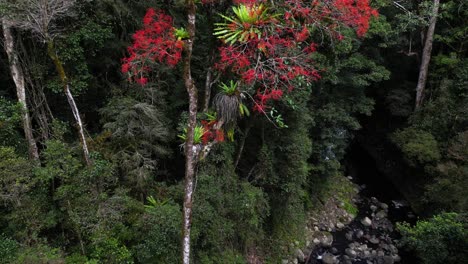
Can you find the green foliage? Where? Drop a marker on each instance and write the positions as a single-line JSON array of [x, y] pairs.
[[229, 213], [159, 233], [419, 147], [138, 133], [229, 89], [198, 133], [110, 250], [243, 26], [15, 176], [8, 249], [181, 33], [10, 124], [39, 254], [441, 239]]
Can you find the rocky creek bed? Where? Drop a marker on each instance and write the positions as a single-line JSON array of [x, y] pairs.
[[336, 236]]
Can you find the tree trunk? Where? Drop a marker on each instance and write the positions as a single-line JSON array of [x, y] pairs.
[[37, 100], [242, 144], [71, 101], [208, 82], [426, 56], [18, 78], [191, 153]]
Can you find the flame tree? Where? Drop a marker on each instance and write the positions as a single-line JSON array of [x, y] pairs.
[[265, 50]]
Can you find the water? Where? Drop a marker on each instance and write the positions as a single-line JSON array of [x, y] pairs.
[[375, 190]]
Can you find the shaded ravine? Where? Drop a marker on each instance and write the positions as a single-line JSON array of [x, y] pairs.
[[375, 240]]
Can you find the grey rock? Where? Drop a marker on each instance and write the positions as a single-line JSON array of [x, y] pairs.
[[328, 258], [350, 252], [359, 233], [373, 208], [384, 206], [334, 250], [396, 258], [381, 214], [374, 240], [366, 221], [284, 261], [388, 260], [300, 255], [324, 238], [349, 235], [380, 253], [340, 225], [393, 249]]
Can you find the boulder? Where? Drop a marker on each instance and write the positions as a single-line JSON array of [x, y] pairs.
[[300, 255], [373, 208], [328, 258], [388, 260], [374, 240], [340, 225], [384, 206], [359, 233], [366, 221], [381, 214], [350, 252]]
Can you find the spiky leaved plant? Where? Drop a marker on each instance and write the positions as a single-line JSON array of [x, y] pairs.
[[226, 103], [198, 133], [245, 25]]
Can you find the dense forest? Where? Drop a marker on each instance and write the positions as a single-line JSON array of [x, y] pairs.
[[243, 131]]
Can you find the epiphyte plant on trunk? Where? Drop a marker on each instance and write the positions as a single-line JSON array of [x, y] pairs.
[[227, 103]]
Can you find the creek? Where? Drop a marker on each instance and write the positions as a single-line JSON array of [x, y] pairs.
[[371, 237]]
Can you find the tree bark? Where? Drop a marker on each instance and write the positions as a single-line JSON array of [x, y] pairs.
[[66, 89], [191, 151], [40, 110], [18, 78], [242, 144], [426, 56]]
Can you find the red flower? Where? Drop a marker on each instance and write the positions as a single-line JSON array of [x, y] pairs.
[[276, 94], [219, 135], [142, 81]]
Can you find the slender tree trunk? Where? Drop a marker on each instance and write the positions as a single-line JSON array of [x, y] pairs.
[[426, 56], [242, 144], [66, 89], [18, 78], [208, 83], [37, 100], [191, 153]]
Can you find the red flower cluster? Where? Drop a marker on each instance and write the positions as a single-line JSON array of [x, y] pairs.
[[356, 14], [211, 133], [262, 99], [155, 43], [273, 61]]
